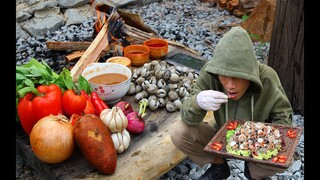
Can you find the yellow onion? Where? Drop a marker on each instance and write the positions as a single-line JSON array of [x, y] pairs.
[[51, 139]]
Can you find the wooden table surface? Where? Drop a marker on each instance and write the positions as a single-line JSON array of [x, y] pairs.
[[149, 155]]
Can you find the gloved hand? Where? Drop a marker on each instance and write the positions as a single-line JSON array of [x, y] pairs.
[[211, 100]]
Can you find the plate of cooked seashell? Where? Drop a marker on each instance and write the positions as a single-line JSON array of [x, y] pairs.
[[265, 143]]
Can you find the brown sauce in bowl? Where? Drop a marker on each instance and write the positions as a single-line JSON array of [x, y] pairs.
[[108, 79]]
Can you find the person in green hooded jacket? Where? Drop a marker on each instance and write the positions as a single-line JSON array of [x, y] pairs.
[[233, 85]]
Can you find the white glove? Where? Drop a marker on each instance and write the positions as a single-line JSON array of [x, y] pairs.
[[211, 100]]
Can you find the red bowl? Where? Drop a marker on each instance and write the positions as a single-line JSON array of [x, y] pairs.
[[158, 47], [137, 53]]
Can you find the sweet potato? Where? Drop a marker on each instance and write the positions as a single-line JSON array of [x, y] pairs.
[[95, 143]]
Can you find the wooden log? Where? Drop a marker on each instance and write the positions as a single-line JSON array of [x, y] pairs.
[[54, 45], [74, 56], [92, 54]]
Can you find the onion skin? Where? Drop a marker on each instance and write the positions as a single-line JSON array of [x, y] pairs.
[[135, 123], [52, 139], [125, 107]]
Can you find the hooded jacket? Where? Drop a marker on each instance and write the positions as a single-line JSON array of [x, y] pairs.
[[265, 99]]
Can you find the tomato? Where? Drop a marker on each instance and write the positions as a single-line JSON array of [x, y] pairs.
[[73, 103], [32, 107]]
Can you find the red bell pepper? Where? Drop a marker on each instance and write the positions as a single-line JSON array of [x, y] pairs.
[[89, 109], [98, 103], [34, 106]]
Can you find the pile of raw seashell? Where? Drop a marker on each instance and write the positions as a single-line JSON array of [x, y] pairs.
[[164, 85]]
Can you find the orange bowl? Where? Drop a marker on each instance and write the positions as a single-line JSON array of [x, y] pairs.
[[137, 53], [158, 47], [120, 60]]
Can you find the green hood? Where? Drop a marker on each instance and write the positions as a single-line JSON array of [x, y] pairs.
[[234, 56]]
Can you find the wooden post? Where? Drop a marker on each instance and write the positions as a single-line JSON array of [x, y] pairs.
[[286, 53]]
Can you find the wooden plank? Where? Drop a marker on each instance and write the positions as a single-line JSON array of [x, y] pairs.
[[53, 45]]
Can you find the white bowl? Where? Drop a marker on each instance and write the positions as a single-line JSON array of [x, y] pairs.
[[111, 94]]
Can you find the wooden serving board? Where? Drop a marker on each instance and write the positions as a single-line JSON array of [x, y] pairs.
[[288, 149]]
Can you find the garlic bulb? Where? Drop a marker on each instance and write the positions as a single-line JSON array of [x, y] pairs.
[[115, 119], [121, 140]]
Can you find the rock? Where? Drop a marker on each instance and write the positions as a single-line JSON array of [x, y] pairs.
[[260, 21]]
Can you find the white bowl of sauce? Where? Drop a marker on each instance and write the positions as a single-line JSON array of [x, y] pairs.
[[110, 80]]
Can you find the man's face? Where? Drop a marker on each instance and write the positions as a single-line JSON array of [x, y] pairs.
[[235, 87]]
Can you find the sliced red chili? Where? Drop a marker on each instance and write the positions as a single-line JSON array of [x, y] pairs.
[[216, 146], [275, 159], [291, 133], [232, 125]]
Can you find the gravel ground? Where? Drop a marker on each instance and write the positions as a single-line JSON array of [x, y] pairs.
[[191, 23]]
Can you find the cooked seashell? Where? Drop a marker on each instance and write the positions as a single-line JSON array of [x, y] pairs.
[[186, 80], [234, 145], [158, 73], [177, 103], [162, 102], [257, 126], [147, 66], [138, 88], [152, 97], [166, 75], [173, 95], [161, 83], [182, 92], [170, 106], [270, 146], [174, 78], [145, 85], [191, 76], [261, 132], [140, 95], [151, 73], [137, 71], [166, 88], [173, 86], [153, 104], [163, 67], [163, 63], [260, 140], [242, 138], [154, 63], [184, 98], [157, 67], [134, 77], [132, 89], [144, 72], [140, 80], [152, 88], [153, 80], [161, 93], [276, 133], [179, 68], [185, 69]]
